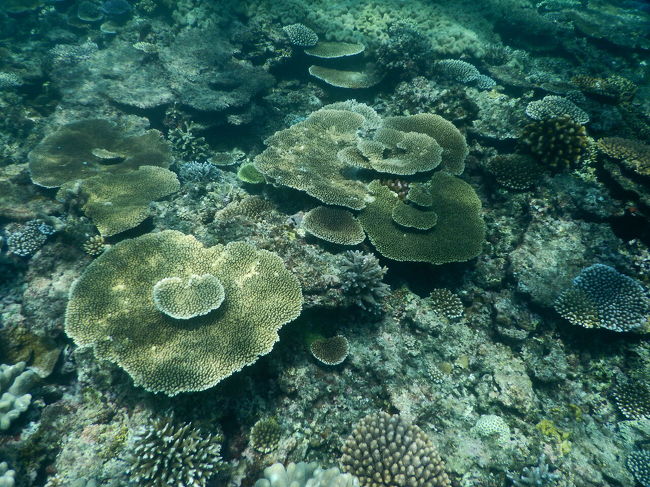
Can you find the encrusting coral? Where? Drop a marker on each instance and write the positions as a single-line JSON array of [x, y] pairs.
[[113, 308]]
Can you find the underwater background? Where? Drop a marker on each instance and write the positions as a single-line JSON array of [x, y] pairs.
[[290, 243]]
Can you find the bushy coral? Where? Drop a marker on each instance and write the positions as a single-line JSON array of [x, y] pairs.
[[305, 475], [112, 308], [94, 245], [557, 143], [388, 451], [362, 280], [196, 172], [166, 454], [405, 50], [27, 239], [333, 225], [446, 303], [330, 351], [15, 381], [601, 297], [265, 435]]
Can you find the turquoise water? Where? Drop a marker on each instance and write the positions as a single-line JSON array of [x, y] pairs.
[[338, 244]]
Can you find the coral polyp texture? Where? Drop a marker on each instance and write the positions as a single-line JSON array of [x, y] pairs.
[[602, 297], [633, 154], [446, 303], [166, 454], [90, 147], [334, 225], [638, 462], [457, 235], [515, 171], [330, 351], [112, 308], [553, 106], [633, 399], [305, 475], [388, 451]]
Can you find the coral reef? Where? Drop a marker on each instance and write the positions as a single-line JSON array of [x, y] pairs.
[[333, 225], [638, 462], [15, 381], [540, 475], [265, 435], [557, 143], [305, 475], [7, 476], [330, 351]]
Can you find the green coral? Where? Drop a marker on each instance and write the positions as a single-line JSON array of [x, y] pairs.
[[457, 236], [248, 173], [118, 202], [334, 225], [111, 307], [411, 217], [185, 298], [90, 147]]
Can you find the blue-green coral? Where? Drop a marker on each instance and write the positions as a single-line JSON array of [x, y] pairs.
[[15, 381]]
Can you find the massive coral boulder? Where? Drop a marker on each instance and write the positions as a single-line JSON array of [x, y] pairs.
[[114, 308]]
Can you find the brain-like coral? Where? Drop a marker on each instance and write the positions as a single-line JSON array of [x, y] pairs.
[[334, 225], [112, 308], [330, 351], [602, 297], [185, 298], [557, 143], [305, 475], [387, 451], [457, 235], [90, 147], [166, 454]]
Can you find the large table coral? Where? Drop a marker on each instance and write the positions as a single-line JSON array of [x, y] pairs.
[[113, 308]]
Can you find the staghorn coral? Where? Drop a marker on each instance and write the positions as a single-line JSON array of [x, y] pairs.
[[601, 297], [196, 172], [300, 35], [84, 149], [362, 280], [638, 462], [305, 475], [333, 225], [15, 381], [330, 351], [166, 454], [456, 237], [557, 143], [387, 451], [114, 298], [265, 435], [552, 106]]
